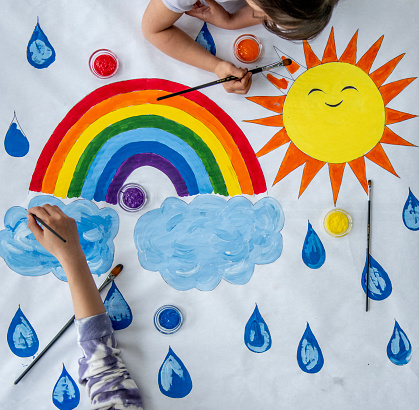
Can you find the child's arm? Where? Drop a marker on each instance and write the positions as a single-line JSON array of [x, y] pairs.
[[216, 15], [84, 293], [158, 28]]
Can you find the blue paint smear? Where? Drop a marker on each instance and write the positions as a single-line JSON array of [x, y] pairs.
[[174, 378], [256, 333], [169, 318], [117, 308], [399, 349], [66, 394], [15, 142], [410, 214], [313, 252], [40, 53], [379, 286], [309, 355], [206, 40], [198, 245], [21, 336], [23, 254]]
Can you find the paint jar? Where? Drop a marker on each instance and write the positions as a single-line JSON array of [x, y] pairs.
[[247, 48], [168, 319], [103, 63], [132, 197], [337, 222]]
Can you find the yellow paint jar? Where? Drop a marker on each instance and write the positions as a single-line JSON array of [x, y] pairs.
[[337, 222]]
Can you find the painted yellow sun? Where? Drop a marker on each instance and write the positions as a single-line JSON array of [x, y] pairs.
[[335, 113]]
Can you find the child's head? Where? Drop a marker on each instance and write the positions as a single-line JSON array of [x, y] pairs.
[[295, 19]]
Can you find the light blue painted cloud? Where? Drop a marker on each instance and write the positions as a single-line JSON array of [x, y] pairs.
[[197, 245], [23, 254]]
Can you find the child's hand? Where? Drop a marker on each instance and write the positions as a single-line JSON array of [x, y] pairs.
[[63, 225], [213, 13], [225, 69]]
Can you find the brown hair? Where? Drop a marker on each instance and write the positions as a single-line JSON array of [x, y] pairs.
[[296, 19]]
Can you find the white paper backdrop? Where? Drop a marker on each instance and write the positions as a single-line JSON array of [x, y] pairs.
[[357, 372]]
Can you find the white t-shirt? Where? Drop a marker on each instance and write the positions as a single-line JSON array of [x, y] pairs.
[[180, 6]]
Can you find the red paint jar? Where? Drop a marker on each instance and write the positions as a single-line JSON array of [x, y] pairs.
[[247, 48], [103, 63]]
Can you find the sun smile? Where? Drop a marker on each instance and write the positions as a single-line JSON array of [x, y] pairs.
[[334, 105]]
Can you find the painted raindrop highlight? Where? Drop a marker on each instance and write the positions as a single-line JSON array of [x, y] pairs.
[[40, 53], [66, 394], [174, 378], [379, 286], [257, 337], [313, 252], [15, 142], [206, 40], [410, 214], [21, 336], [309, 355], [399, 349], [117, 308]]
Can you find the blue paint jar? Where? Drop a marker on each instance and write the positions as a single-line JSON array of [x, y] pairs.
[[168, 319]]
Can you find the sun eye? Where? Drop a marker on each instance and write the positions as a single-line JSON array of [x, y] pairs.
[[349, 87], [314, 89]]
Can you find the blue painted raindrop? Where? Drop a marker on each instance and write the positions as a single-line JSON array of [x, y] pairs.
[[399, 349], [379, 286], [117, 308], [21, 336], [15, 142], [174, 378], [206, 40], [40, 53], [66, 394], [411, 212], [256, 333], [309, 355], [313, 252]]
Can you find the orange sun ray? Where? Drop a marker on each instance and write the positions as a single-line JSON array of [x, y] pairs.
[[329, 54], [365, 62], [393, 116], [311, 168], [275, 104], [311, 58], [336, 174], [381, 74], [292, 160], [389, 91], [280, 138], [274, 121], [349, 55], [390, 137], [378, 156], [358, 168]]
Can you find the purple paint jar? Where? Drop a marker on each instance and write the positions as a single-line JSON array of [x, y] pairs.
[[132, 197]]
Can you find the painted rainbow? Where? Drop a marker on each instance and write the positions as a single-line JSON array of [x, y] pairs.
[[121, 127]]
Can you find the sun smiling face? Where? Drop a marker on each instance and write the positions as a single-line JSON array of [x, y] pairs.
[[335, 113]]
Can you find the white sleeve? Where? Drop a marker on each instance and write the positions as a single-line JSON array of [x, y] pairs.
[[179, 6]]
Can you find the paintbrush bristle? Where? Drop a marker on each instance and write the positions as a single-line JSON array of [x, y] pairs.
[[369, 183], [286, 61], [117, 270]]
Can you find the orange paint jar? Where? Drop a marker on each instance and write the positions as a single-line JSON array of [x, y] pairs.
[[247, 48]]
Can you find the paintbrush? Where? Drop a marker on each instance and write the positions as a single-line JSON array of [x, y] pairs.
[[112, 275], [368, 244], [285, 62], [38, 219]]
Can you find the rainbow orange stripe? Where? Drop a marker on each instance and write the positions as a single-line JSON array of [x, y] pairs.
[[121, 126]]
